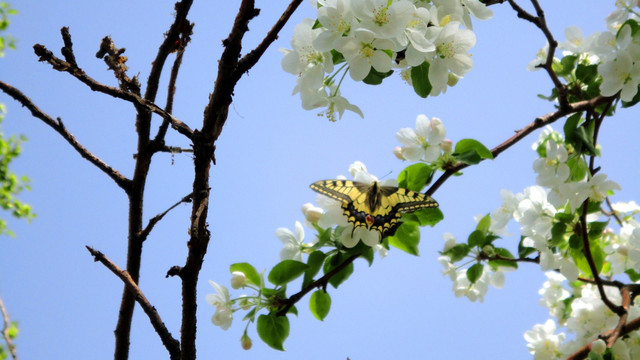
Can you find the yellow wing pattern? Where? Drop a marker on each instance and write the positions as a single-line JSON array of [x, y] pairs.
[[373, 206]]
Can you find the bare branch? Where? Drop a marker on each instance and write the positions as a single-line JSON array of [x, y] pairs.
[[145, 150], [253, 56], [59, 127], [6, 324], [172, 345], [61, 65], [145, 232]]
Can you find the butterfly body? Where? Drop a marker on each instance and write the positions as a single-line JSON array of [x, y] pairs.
[[373, 206]]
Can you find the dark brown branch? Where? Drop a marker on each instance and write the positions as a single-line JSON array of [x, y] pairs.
[[59, 127], [67, 49], [586, 250], [172, 345], [215, 115], [540, 22], [320, 283], [145, 150], [162, 130], [61, 65], [154, 220], [626, 302], [253, 56], [6, 324], [522, 133], [116, 62]]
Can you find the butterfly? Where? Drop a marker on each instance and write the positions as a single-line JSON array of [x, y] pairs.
[[373, 206]]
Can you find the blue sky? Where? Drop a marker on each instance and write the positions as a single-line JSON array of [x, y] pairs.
[[269, 152]]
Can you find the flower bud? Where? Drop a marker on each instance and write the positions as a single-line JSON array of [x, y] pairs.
[[245, 341], [446, 145], [488, 250], [312, 213], [238, 279], [397, 151], [598, 347]]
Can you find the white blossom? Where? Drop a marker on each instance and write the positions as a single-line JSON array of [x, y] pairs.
[[425, 142], [542, 341], [292, 242]]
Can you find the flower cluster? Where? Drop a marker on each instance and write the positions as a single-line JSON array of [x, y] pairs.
[[615, 51], [583, 314], [372, 37], [547, 215]]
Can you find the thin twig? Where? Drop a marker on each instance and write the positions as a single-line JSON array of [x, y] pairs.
[[154, 220], [253, 56], [172, 345], [78, 73], [540, 22], [6, 324], [59, 127], [321, 282]]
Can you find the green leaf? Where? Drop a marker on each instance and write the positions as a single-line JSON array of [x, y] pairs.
[[565, 66], [375, 77], [502, 252], [424, 217], [484, 223], [474, 272], [273, 330], [570, 127], [420, 79], [334, 261], [596, 228], [415, 176], [558, 230], [575, 242], [476, 238], [587, 73], [406, 238], [286, 271], [319, 304], [458, 252], [470, 151], [253, 277], [577, 168], [337, 57], [314, 264], [524, 251], [587, 140], [633, 275]]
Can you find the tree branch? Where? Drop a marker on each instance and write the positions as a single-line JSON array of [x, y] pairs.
[[59, 127], [61, 65], [172, 345], [321, 282], [145, 150], [541, 23], [145, 232], [253, 56], [6, 324], [586, 250], [522, 133]]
